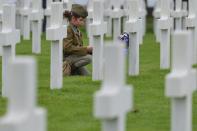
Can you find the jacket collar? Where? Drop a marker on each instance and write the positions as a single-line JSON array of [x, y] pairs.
[[75, 29]]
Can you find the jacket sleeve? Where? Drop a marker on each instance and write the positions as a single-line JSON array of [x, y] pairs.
[[70, 48]]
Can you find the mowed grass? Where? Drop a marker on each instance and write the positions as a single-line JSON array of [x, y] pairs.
[[71, 108]]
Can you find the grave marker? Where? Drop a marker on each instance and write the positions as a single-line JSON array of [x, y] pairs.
[[116, 14], [113, 101], [2, 2], [25, 12], [47, 13], [67, 5], [190, 23], [181, 82], [164, 25], [56, 32], [125, 14], [132, 27], [22, 114], [89, 21], [185, 7], [1, 14], [156, 14], [8, 38], [36, 17], [178, 14], [98, 29], [18, 15], [107, 17], [142, 21]]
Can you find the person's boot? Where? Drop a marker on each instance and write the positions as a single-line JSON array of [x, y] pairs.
[[66, 68]]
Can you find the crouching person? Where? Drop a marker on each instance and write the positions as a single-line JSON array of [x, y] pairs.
[[76, 56]]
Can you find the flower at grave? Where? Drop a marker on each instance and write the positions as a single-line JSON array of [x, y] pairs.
[[125, 38]]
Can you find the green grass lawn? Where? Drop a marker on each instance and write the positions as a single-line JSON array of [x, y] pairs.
[[71, 108]]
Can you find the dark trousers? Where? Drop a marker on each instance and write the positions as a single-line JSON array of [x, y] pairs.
[[78, 64]]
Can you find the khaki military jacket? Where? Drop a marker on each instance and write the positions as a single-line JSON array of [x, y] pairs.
[[73, 44]]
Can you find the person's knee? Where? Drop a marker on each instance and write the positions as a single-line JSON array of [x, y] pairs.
[[89, 58], [85, 60]]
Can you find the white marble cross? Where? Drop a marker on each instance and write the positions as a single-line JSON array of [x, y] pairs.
[[157, 15], [114, 99], [191, 22], [164, 24], [108, 18], [90, 11], [144, 17], [98, 28], [181, 82], [56, 32], [47, 13], [116, 13], [172, 6], [142, 20], [22, 113], [125, 14], [185, 14], [8, 38], [1, 14], [36, 17], [18, 15], [67, 4], [25, 12], [177, 14], [132, 27], [89, 21]]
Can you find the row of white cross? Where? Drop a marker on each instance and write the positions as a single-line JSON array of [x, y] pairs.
[[181, 82], [28, 12], [29, 16], [113, 10], [109, 98], [19, 75], [98, 29], [170, 17], [178, 19], [35, 14], [22, 112], [114, 99], [99, 23]]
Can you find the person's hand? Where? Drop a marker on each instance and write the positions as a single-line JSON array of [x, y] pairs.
[[89, 49]]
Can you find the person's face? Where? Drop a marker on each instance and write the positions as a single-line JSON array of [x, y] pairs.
[[78, 21]]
